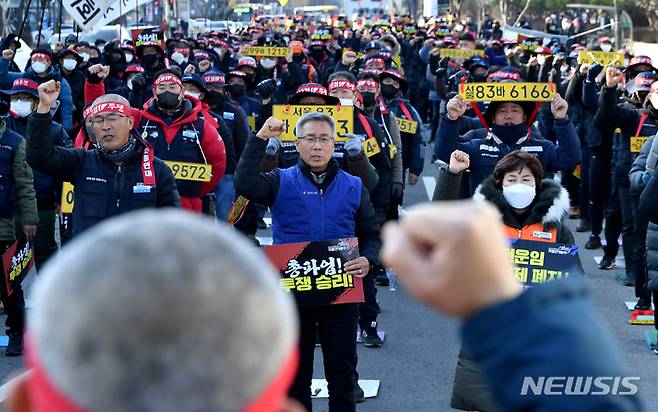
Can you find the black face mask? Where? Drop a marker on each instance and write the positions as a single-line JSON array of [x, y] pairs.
[[389, 91], [479, 78], [236, 90], [317, 54], [168, 100], [150, 60], [214, 99], [298, 58], [93, 60], [368, 98], [510, 134]]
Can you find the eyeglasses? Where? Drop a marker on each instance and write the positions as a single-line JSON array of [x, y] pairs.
[[311, 139], [111, 118]]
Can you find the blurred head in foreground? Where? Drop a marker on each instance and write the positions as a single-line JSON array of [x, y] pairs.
[[159, 311]]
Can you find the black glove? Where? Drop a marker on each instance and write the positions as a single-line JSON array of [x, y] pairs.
[[594, 71], [396, 191], [266, 88], [139, 82]]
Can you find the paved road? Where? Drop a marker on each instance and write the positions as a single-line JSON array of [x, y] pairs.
[[417, 362]]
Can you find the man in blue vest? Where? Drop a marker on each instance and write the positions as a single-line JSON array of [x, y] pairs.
[[312, 201], [120, 175]]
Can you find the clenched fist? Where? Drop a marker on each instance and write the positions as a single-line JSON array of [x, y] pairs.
[[456, 107], [48, 93], [452, 256], [272, 128]]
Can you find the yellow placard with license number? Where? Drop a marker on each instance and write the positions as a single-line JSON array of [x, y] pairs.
[[406, 125], [67, 198], [252, 123], [371, 146], [392, 150], [637, 142], [601, 57], [290, 114], [264, 51], [529, 92], [460, 53], [196, 172]]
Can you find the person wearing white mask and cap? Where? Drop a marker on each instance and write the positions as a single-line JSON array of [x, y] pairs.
[[41, 70], [24, 98], [69, 64]]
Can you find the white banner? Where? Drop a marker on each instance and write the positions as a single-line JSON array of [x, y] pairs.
[[86, 12], [118, 8], [94, 14]]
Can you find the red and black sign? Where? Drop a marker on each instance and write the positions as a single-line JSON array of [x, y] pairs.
[[314, 271], [17, 262]]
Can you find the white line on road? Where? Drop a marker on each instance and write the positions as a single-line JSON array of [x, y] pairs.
[[429, 183]]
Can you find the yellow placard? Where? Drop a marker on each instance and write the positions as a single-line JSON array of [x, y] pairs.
[[600, 57], [67, 198], [264, 51], [407, 126], [289, 114], [196, 172], [529, 92], [371, 146], [577, 172], [396, 60], [637, 142], [252, 123], [460, 53], [392, 150]]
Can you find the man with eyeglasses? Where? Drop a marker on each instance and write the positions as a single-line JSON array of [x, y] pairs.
[[312, 201], [119, 175]]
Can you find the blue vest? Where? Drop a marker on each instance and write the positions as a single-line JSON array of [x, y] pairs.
[[186, 147], [102, 191], [9, 143], [300, 213]]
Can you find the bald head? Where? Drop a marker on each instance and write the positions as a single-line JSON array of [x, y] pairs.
[[161, 311]]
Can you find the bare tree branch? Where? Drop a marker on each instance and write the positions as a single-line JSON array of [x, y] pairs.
[[518, 19]]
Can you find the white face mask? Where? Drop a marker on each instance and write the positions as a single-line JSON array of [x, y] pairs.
[[129, 57], [193, 94], [69, 64], [178, 58], [267, 63], [85, 57], [346, 102], [606, 47], [21, 108], [518, 195], [39, 67]]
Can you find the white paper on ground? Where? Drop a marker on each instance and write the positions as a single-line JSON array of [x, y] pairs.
[[631, 306], [319, 388]]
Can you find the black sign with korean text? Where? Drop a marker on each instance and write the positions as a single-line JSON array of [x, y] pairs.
[[314, 271], [17, 262], [539, 262]]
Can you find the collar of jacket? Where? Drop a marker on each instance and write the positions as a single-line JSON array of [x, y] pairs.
[[136, 156], [186, 114], [551, 203], [332, 171]]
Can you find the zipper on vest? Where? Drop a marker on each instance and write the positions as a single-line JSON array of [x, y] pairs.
[[520, 233], [118, 185]]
